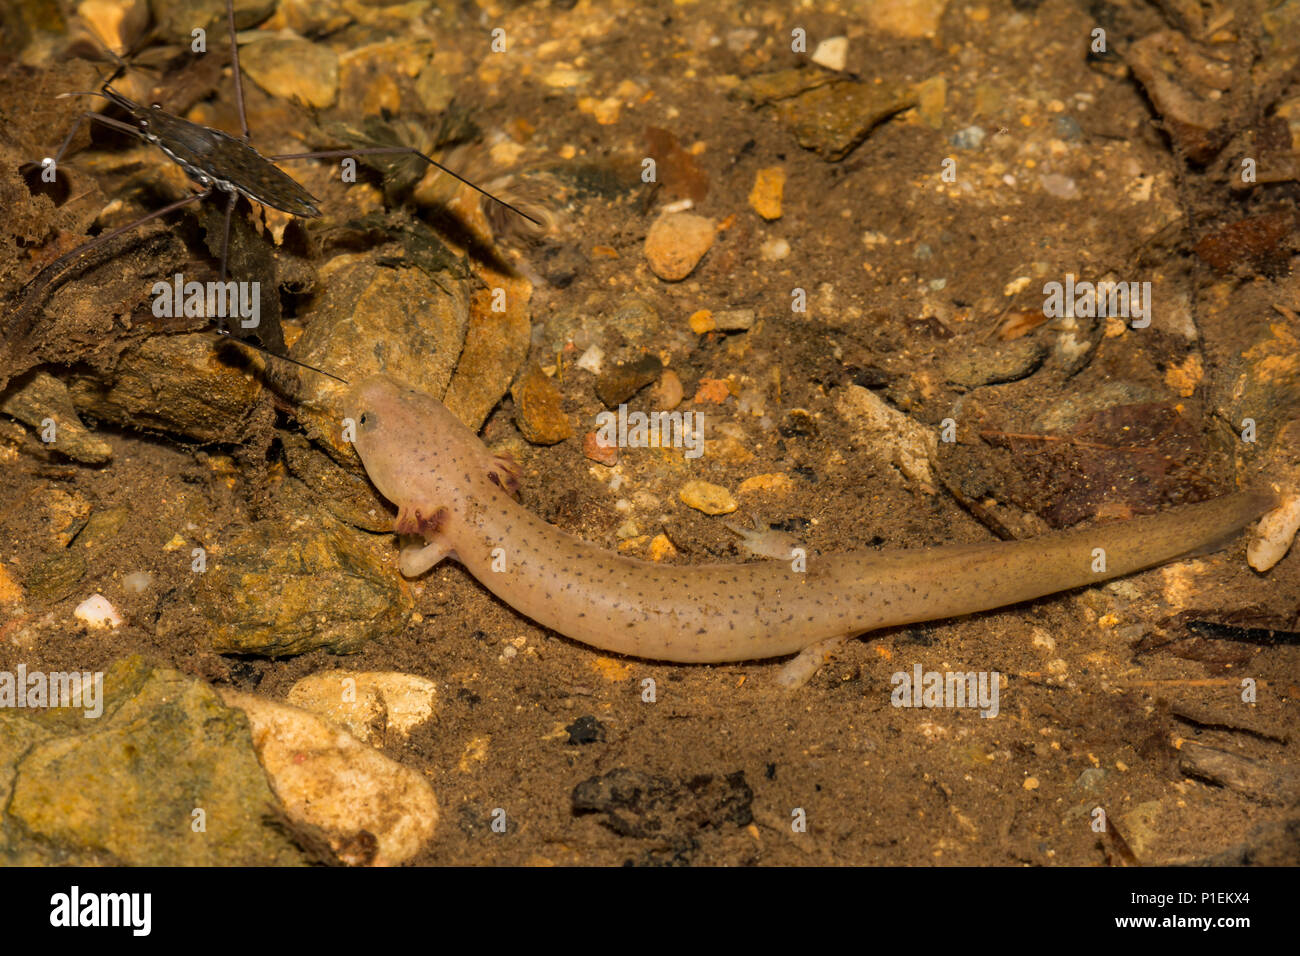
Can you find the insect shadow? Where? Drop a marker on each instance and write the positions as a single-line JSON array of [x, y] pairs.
[[217, 163]]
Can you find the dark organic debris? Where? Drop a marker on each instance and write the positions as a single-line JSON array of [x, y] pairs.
[[626, 379], [586, 730], [1267, 783], [1264, 637], [1255, 244], [636, 804]]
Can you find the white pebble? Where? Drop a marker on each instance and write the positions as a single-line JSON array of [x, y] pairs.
[[137, 582], [738, 41], [1273, 537], [593, 360], [1062, 187], [832, 53], [96, 611], [774, 249]]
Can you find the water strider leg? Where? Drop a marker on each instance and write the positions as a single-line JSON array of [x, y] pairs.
[[248, 343], [231, 199], [20, 324], [403, 150], [234, 69], [48, 274], [98, 118]]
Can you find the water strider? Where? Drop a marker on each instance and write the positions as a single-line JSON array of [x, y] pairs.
[[216, 162]]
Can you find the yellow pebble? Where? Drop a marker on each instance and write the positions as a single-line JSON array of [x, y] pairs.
[[10, 591], [709, 498], [610, 669], [474, 754], [661, 547], [769, 187], [777, 483], [702, 321]]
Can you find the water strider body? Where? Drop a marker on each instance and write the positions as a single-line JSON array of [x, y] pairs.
[[217, 160], [453, 502]]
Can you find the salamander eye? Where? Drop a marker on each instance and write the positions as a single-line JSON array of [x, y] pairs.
[[364, 417]]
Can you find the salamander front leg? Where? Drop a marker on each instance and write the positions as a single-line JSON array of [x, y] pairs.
[[423, 545], [419, 555]]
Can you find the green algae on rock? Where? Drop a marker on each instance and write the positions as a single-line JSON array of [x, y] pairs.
[[373, 317], [827, 113], [283, 587], [166, 776]]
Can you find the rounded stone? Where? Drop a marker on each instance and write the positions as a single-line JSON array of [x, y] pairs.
[[676, 243]]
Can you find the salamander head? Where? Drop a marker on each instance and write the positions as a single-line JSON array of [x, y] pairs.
[[370, 404], [385, 427], [409, 442]]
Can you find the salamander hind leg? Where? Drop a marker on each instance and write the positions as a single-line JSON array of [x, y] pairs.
[[504, 472], [762, 541]]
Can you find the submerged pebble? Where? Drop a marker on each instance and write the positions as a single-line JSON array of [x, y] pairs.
[[368, 704], [623, 381], [676, 243], [707, 497], [137, 582], [372, 810], [283, 587], [97, 612], [538, 413], [190, 793], [769, 189], [42, 402], [1276, 531], [832, 53], [291, 67], [667, 393], [598, 451]]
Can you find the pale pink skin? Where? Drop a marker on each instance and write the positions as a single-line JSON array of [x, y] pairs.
[[449, 491]]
